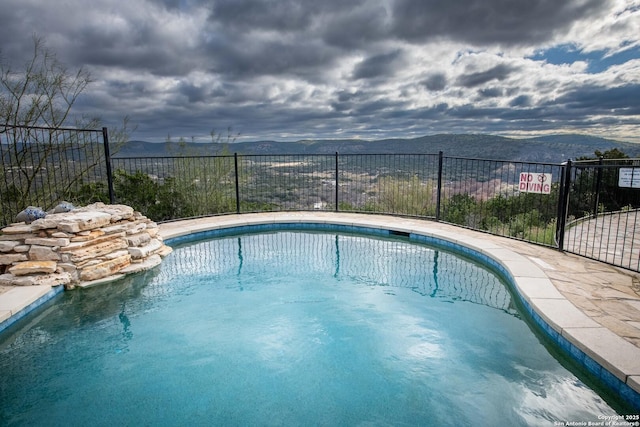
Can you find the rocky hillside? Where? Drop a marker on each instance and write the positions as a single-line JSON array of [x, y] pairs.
[[553, 148]]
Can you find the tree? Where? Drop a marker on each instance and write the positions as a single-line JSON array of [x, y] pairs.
[[43, 93], [204, 173], [596, 183], [47, 152], [612, 154]]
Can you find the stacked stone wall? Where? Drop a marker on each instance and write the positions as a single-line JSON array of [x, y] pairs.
[[83, 247]]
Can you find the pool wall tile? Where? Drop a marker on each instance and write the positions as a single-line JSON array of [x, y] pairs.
[[611, 380], [630, 395], [592, 366]]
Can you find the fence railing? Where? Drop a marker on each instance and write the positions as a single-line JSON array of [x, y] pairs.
[[42, 166], [587, 208], [602, 220]]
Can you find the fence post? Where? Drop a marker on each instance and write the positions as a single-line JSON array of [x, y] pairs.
[[439, 192], [235, 165], [337, 182], [563, 203], [596, 199], [107, 159]]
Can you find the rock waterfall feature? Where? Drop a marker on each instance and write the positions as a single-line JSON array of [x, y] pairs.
[[80, 248]]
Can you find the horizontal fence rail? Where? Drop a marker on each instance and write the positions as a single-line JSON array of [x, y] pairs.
[[589, 208]]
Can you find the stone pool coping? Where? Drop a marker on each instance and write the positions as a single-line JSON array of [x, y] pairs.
[[600, 332]]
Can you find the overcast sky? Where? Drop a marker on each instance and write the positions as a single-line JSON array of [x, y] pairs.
[[288, 70]]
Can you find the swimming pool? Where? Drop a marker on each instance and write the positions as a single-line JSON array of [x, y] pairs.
[[292, 327]]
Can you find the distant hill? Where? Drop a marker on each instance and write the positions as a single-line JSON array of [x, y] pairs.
[[552, 148]]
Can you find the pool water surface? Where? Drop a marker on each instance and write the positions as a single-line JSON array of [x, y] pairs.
[[291, 328]]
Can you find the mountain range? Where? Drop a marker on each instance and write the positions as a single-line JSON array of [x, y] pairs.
[[545, 149]]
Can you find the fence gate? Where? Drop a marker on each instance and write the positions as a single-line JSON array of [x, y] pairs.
[[602, 216]]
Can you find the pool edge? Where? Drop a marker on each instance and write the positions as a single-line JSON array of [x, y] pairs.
[[23, 300]]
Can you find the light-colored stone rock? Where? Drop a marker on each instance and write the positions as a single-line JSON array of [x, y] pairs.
[[76, 245], [33, 267], [7, 279], [54, 279], [97, 250], [67, 266], [147, 264], [105, 269], [75, 222], [43, 253], [48, 241], [15, 237], [22, 248], [116, 228], [116, 212], [139, 239], [61, 234], [7, 259], [51, 221], [89, 263], [164, 251], [146, 250], [137, 228], [115, 254], [8, 246], [98, 282], [88, 236], [18, 229]]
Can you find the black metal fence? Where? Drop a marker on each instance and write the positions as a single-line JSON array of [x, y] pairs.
[[42, 166], [602, 219], [588, 208]]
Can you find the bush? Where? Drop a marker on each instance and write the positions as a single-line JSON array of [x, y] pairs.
[[157, 201]]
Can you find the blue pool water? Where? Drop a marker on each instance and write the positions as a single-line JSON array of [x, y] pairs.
[[291, 328]]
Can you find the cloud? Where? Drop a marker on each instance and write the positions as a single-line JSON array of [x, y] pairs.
[[621, 100], [436, 81], [383, 65], [521, 101], [478, 22], [499, 72], [493, 92], [365, 68], [356, 28]]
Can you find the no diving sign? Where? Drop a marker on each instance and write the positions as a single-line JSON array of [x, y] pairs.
[[629, 177], [535, 183]]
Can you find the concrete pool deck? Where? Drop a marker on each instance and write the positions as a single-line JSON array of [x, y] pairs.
[[592, 306]]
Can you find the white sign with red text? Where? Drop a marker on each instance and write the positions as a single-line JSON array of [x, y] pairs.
[[535, 183]]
